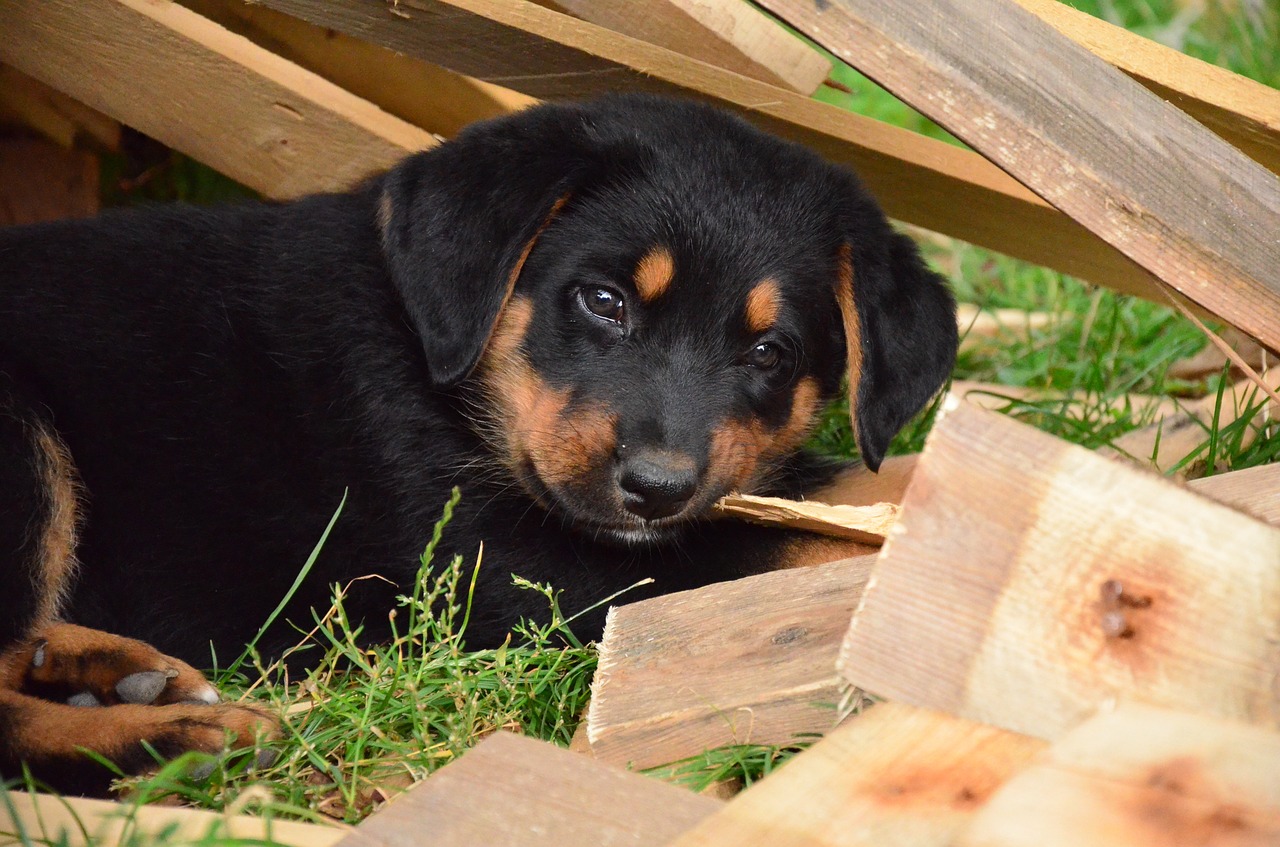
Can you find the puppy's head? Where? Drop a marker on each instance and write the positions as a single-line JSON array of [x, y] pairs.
[[656, 301]]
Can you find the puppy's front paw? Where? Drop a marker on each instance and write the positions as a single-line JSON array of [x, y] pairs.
[[88, 667]]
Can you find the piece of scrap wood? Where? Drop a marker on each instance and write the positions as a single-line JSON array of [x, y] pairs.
[[747, 661], [730, 34], [1255, 491], [991, 395], [62, 119], [1141, 776], [512, 790], [1135, 170], [893, 776], [424, 94], [866, 524], [1170, 438], [201, 89], [41, 181], [858, 486], [1211, 360], [1028, 580], [1244, 112], [978, 325], [545, 54], [76, 822]]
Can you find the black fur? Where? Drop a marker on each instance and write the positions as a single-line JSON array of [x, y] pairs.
[[221, 376]]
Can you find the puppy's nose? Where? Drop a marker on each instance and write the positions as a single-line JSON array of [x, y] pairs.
[[657, 484]]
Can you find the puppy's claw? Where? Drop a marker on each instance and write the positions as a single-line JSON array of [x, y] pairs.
[[84, 699], [142, 687]]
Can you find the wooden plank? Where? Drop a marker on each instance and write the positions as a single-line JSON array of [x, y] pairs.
[[751, 660], [729, 34], [41, 181], [1141, 777], [1025, 564], [864, 524], [53, 114], [1255, 491], [214, 95], [1170, 438], [76, 822], [544, 54], [514, 790], [1142, 175], [1244, 112], [421, 93], [893, 776]]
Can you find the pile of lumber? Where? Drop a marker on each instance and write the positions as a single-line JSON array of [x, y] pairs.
[[1053, 646]]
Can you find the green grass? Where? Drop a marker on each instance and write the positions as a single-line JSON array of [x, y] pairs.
[[370, 720]]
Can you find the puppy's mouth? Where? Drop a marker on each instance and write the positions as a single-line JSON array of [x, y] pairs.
[[596, 510]]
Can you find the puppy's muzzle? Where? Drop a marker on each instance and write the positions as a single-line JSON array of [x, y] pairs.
[[656, 483]]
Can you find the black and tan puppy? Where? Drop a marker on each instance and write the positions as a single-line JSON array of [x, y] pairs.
[[595, 319]]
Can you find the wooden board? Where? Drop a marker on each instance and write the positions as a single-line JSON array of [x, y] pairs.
[[729, 34], [425, 95], [41, 181], [59, 118], [1255, 491], [864, 524], [201, 89], [544, 54], [1138, 172], [894, 776], [76, 822], [751, 660], [1244, 112], [1141, 777], [1171, 437], [993, 597], [512, 790]]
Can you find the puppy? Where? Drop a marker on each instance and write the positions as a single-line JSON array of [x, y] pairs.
[[594, 319]]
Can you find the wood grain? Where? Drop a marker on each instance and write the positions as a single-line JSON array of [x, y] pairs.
[[544, 54], [1255, 491], [62, 119], [894, 776], [729, 34], [1244, 112], [41, 181], [989, 598], [515, 790], [1142, 175], [864, 524], [201, 89], [78, 822], [751, 660], [425, 95], [1141, 777]]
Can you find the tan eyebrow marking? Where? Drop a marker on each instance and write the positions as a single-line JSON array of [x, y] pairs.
[[763, 304], [653, 273]]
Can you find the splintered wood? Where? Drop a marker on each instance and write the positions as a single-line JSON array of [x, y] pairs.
[[1141, 777], [865, 524], [1029, 580], [515, 790], [210, 93], [748, 661], [894, 776]]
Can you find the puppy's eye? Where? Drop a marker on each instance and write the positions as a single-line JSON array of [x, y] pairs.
[[602, 302], [765, 356]]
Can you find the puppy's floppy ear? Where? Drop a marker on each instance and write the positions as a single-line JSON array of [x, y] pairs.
[[458, 222], [900, 329]]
